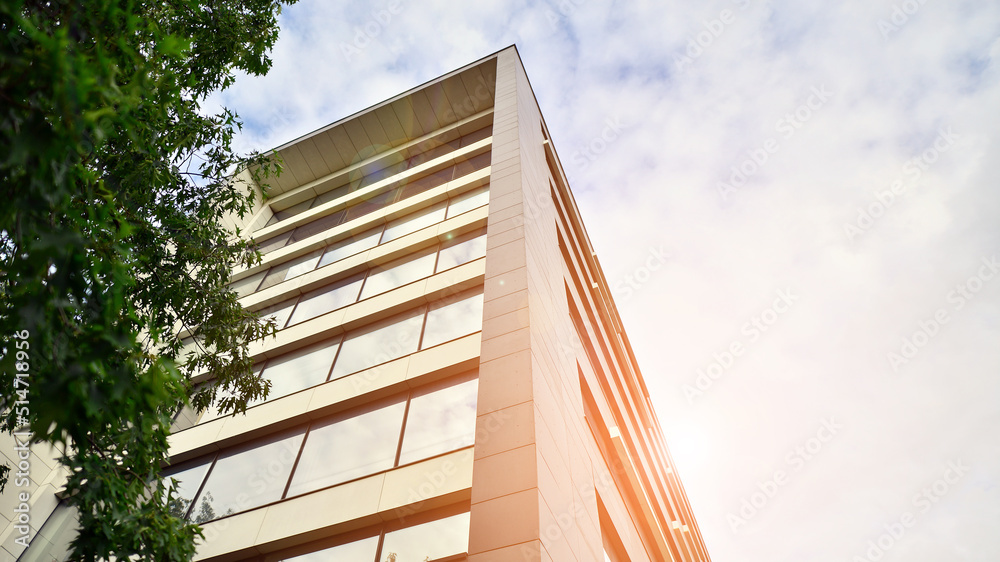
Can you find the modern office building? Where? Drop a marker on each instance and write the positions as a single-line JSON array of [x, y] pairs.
[[451, 380]]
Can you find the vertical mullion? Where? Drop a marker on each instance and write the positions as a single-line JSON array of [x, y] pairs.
[[402, 430], [201, 488], [423, 327], [381, 541], [437, 255], [295, 464], [364, 282], [291, 314], [340, 347]]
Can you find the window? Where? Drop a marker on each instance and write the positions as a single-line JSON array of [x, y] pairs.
[[316, 226], [372, 345], [469, 200], [466, 167], [289, 212], [213, 412], [398, 273], [427, 151], [341, 450], [429, 541], [461, 250], [448, 320], [476, 136], [353, 444], [280, 312], [377, 280], [350, 246], [325, 299], [247, 285], [189, 479], [443, 537], [290, 269], [441, 418], [383, 342], [358, 550], [371, 204], [353, 245], [300, 369], [247, 478], [414, 222]]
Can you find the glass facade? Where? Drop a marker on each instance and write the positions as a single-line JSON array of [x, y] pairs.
[[382, 433], [433, 540], [370, 346], [433, 420], [356, 244], [411, 159], [378, 279]]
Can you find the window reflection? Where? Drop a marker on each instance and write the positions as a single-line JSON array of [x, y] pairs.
[[371, 204], [274, 242], [348, 247], [441, 418], [279, 312], [247, 478], [335, 193], [449, 320], [345, 449], [402, 335], [476, 136], [326, 299], [300, 369], [351, 246], [247, 285], [213, 411], [289, 212], [429, 541], [461, 251], [381, 343], [290, 269], [188, 479], [414, 222], [425, 152], [316, 226], [361, 551], [437, 419], [466, 167], [398, 273], [468, 201]]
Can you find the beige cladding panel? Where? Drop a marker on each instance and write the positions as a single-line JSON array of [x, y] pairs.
[[528, 368]]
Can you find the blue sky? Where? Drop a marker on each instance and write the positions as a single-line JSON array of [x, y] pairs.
[[813, 184]]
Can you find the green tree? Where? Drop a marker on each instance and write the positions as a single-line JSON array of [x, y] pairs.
[[114, 181]]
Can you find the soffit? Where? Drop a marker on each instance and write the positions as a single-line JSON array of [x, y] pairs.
[[396, 121]]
